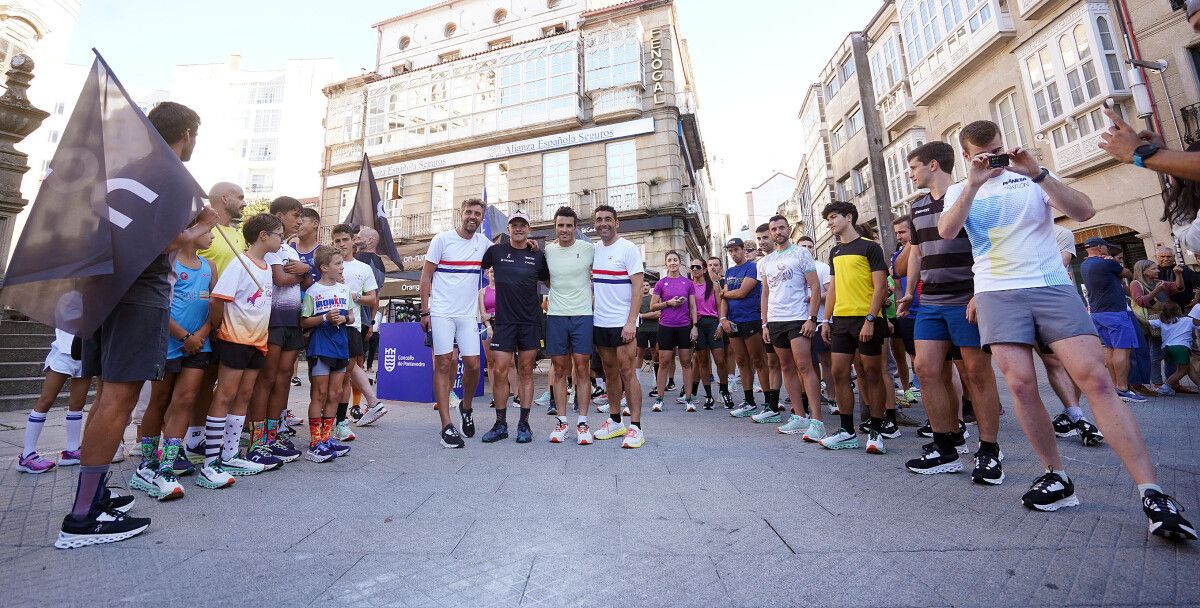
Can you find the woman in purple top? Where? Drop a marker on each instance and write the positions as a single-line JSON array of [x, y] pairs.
[[710, 343], [675, 296]]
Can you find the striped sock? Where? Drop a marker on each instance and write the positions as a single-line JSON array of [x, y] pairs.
[[74, 430], [233, 435], [314, 431], [214, 432], [33, 430]]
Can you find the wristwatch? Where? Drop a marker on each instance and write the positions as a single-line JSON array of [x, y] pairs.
[[1041, 176], [1142, 152], [870, 318], [812, 319]]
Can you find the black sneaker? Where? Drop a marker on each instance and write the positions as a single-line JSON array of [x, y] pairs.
[[932, 461], [524, 433], [864, 426], [968, 413], [552, 409], [356, 414], [99, 527], [671, 384], [708, 403], [1063, 427], [925, 431], [889, 429], [451, 438], [653, 393], [114, 502], [295, 381], [960, 442], [1088, 433], [468, 424], [499, 431], [1165, 517], [988, 469], [727, 399], [1050, 493], [516, 401]]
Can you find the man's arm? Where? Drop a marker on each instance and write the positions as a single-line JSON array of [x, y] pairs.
[[747, 285], [629, 332], [762, 302], [205, 220], [426, 287], [879, 284], [1120, 141], [900, 268], [978, 173], [913, 273]]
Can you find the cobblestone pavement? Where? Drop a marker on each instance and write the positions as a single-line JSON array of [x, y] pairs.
[[713, 511]]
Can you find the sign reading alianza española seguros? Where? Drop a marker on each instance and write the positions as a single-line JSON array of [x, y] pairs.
[[516, 148]]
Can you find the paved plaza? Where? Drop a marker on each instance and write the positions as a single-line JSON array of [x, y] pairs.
[[713, 511]]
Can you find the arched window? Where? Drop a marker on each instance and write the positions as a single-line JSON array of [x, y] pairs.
[[1080, 67], [1110, 53]]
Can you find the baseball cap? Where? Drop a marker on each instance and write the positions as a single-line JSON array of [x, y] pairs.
[[736, 242], [1096, 242], [518, 215]]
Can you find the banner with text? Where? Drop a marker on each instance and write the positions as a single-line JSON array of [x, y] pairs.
[[406, 365]]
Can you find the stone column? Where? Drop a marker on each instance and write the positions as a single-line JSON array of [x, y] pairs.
[[18, 118]]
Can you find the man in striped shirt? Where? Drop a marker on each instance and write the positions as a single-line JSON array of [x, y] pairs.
[[450, 281]]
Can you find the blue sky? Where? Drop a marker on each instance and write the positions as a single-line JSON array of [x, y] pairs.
[[752, 66]]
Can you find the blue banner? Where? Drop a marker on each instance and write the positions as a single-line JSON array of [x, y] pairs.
[[406, 365]]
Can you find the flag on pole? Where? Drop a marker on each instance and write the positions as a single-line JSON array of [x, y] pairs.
[[368, 211], [114, 197]]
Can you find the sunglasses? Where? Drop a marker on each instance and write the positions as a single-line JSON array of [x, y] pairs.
[[697, 268]]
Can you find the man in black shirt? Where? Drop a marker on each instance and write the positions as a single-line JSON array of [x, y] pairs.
[[1166, 269], [518, 325]]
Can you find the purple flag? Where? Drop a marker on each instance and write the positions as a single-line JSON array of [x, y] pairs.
[[368, 211]]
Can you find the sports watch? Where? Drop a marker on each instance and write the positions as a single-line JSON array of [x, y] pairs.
[[870, 318], [1142, 152]]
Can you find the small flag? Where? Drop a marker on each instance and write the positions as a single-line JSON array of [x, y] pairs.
[[368, 211]]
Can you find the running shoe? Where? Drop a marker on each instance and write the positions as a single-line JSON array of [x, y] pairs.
[[68, 458], [1132, 397], [290, 419], [319, 453], [295, 381], [284, 432], [552, 409], [670, 384], [241, 467], [182, 467], [109, 500], [960, 441], [900, 400], [524, 433], [843, 440], [1063, 426], [786, 400], [339, 449], [745, 410], [767, 417], [356, 413], [815, 432], [213, 476], [583, 433], [689, 404], [373, 414], [543, 399], [875, 443], [795, 424], [143, 479], [911, 396], [468, 423], [890, 429], [654, 392], [342, 432], [864, 426], [727, 400], [1166, 516], [681, 399], [708, 403], [830, 406], [598, 394], [988, 469], [559, 434], [1089, 434], [625, 408], [167, 486], [968, 412], [516, 401], [633, 438], [499, 431], [602, 409], [925, 431], [34, 463], [658, 406], [610, 430], [283, 451], [451, 438], [1050, 492], [261, 454], [933, 462], [98, 527]]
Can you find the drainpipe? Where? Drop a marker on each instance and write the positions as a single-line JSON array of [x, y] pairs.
[[1153, 122]]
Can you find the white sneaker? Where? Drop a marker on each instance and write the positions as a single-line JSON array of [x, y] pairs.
[[372, 415], [690, 405], [238, 466], [167, 487], [543, 399], [213, 477], [583, 433], [610, 430], [875, 443], [602, 408], [633, 438], [658, 406], [454, 401], [559, 434], [625, 411], [681, 400]]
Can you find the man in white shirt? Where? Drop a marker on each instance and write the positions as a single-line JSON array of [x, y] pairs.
[[450, 282]]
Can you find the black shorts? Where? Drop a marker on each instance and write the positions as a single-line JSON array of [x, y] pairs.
[[240, 356], [354, 337], [286, 338], [196, 361], [671, 338], [706, 334], [512, 337], [647, 339], [843, 336], [607, 337], [129, 346], [783, 332], [904, 327], [746, 329]]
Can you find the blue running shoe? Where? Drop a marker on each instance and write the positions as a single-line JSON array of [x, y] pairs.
[[499, 431], [524, 433]]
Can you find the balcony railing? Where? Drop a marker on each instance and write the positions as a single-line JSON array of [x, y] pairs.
[[345, 153], [896, 107], [624, 100], [1032, 9], [1191, 123], [983, 28]]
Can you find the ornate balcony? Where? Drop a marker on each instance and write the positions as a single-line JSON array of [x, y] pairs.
[[1032, 9], [617, 104], [345, 153], [896, 107], [982, 29]]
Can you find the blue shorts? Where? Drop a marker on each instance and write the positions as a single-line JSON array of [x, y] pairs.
[[946, 324], [1116, 329], [565, 335]]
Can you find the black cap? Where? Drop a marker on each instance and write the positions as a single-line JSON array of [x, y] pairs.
[[735, 242], [1096, 242]]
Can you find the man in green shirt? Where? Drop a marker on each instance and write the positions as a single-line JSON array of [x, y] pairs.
[[569, 316]]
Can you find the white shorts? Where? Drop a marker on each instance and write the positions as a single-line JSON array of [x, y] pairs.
[[58, 361], [450, 330]]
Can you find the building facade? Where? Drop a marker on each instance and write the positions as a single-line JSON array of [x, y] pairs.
[[535, 105]]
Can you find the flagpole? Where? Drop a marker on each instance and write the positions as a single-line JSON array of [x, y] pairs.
[[238, 254]]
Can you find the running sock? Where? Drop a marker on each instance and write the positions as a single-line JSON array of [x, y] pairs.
[[355, 397], [695, 386], [524, 415], [1061, 474], [876, 424], [257, 431], [891, 415], [1145, 487], [88, 490], [326, 428], [1074, 413], [772, 396], [501, 415], [655, 370], [615, 415], [214, 433], [847, 422], [314, 431], [749, 395], [74, 430], [33, 430], [562, 419], [989, 447], [724, 388], [945, 443], [149, 447], [638, 424], [170, 451], [233, 435], [341, 411], [272, 430], [195, 437]]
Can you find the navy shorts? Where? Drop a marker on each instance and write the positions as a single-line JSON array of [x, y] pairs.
[[946, 324], [566, 335], [129, 346], [240, 356], [196, 361], [513, 338]]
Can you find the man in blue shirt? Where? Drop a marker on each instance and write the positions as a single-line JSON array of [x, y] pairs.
[[1110, 310], [740, 320]]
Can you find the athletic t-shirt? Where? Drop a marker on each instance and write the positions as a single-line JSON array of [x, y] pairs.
[[851, 267], [1011, 229], [612, 269], [647, 325], [247, 308], [189, 303], [570, 271], [783, 271], [517, 272], [824, 275], [308, 258], [747, 309], [946, 275], [706, 305], [327, 339], [285, 302], [456, 281], [219, 252], [372, 259], [1178, 333], [360, 280], [1102, 277], [675, 287]]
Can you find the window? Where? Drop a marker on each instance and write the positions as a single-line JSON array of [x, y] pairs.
[[1006, 113], [832, 86], [1075, 70], [1045, 89], [929, 25], [621, 168], [846, 70], [393, 189], [842, 189], [912, 39], [263, 181], [551, 30], [404, 42], [495, 44], [442, 201], [860, 178], [263, 93], [1111, 61], [345, 201], [54, 135], [60, 108], [854, 123], [951, 137], [613, 64], [951, 13], [837, 137], [556, 182], [449, 30], [1077, 60], [1079, 126], [450, 56], [259, 149], [495, 182], [266, 121]]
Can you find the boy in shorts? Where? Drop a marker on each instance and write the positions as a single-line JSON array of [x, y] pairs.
[[327, 311], [60, 367]]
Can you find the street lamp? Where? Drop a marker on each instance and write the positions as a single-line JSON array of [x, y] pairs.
[[1141, 96]]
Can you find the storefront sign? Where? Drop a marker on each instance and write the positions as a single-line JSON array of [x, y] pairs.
[[656, 67], [525, 146], [406, 365]]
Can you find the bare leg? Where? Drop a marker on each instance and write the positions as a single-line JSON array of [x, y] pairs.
[[984, 396], [940, 404], [1016, 364], [443, 378], [470, 380]]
